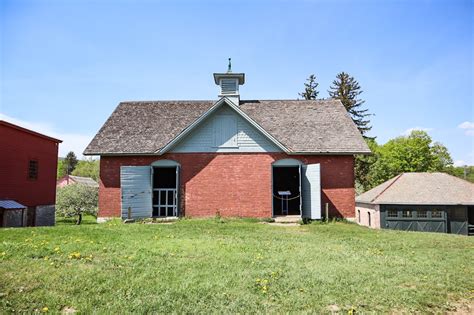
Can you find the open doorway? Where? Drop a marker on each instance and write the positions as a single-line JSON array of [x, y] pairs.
[[165, 191], [286, 190], [470, 220]]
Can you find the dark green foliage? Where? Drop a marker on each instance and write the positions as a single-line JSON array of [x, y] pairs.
[[362, 167], [346, 89], [70, 162], [310, 88]]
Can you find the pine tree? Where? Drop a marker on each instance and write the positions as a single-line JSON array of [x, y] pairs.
[[310, 92], [70, 162], [346, 89]]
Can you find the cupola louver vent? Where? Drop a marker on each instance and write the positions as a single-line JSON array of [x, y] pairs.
[[229, 86]]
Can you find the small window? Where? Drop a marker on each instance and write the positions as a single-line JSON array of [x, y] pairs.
[[33, 170], [436, 214], [392, 213], [407, 213], [422, 214]]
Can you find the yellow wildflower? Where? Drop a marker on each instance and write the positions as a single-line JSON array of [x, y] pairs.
[[75, 255]]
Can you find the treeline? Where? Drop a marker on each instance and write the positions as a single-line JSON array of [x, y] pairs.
[[413, 153], [87, 167]]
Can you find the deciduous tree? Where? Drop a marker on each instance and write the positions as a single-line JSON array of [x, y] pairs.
[[413, 153], [77, 200]]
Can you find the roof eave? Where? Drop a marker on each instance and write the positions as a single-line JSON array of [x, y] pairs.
[[329, 153]]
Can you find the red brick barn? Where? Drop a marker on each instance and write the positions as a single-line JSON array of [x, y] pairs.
[[28, 166], [233, 157]]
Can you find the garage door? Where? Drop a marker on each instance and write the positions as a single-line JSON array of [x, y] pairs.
[[412, 219]]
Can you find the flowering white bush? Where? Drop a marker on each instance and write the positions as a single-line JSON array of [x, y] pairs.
[[77, 200]]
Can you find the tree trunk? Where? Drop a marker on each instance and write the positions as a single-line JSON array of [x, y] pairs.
[[79, 219]]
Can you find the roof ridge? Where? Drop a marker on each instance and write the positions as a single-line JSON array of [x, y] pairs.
[[396, 179], [162, 101]]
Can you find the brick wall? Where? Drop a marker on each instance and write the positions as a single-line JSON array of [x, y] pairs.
[[236, 185]]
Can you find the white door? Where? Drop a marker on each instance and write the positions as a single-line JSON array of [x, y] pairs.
[[135, 183], [311, 191]]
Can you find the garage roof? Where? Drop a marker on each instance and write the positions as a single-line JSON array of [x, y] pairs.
[[421, 189]]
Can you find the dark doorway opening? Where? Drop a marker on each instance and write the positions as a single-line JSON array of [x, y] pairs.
[[470, 215], [470, 220], [286, 179], [165, 191], [30, 216]]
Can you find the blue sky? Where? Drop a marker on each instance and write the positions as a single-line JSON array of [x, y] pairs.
[[66, 64]]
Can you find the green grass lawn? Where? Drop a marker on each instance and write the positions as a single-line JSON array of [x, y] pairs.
[[232, 266]]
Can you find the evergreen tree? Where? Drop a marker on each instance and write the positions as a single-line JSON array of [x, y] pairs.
[[70, 162], [346, 89], [310, 88]]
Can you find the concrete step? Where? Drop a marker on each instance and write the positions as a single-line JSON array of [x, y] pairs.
[[287, 219]]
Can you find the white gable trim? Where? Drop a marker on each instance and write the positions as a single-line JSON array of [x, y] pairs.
[[218, 104]]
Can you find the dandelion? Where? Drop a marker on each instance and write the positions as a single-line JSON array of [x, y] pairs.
[[75, 255], [45, 258], [45, 309], [57, 249], [3, 253]]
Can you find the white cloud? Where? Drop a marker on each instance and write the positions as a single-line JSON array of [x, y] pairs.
[[468, 127], [409, 130], [459, 163], [71, 141]]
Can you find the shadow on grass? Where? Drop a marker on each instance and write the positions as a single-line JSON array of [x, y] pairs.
[[86, 220]]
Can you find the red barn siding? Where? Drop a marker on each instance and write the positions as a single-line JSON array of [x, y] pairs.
[[233, 184], [18, 147]]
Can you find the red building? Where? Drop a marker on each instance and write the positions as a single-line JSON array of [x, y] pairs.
[[232, 157], [28, 166]]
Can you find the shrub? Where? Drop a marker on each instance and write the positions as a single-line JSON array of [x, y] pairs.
[[77, 200]]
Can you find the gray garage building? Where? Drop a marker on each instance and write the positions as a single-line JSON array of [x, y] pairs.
[[428, 202]]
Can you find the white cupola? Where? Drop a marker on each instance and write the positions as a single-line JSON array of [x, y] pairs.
[[229, 83]]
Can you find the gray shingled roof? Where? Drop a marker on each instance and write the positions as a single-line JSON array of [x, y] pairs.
[[84, 181], [421, 189], [321, 126]]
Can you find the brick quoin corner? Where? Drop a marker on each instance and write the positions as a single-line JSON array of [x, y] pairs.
[[235, 185]]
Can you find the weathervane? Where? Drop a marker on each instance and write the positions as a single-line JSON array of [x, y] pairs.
[[229, 67]]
